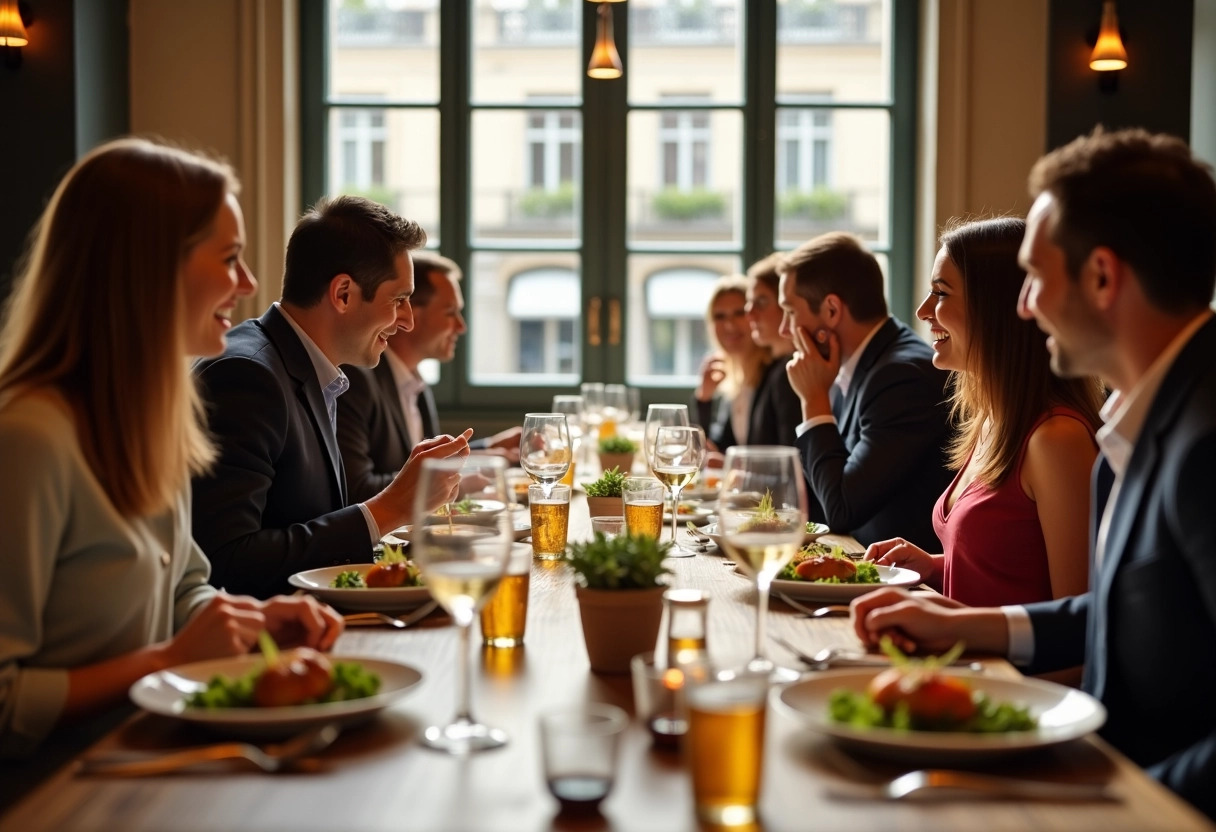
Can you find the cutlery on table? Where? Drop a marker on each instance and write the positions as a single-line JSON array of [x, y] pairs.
[[817, 612], [928, 784], [400, 622], [271, 759], [830, 657]]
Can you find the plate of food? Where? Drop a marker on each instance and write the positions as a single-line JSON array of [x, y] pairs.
[[521, 522], [224, 694], [927, 714], [690, 512], [821, 572], [813, 532], [365, 587]]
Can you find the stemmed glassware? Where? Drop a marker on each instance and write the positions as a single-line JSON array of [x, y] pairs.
[[462, 550], [545, 452], [572, 406], [657, 416], [678, 454], [761, 518], [616, 406]]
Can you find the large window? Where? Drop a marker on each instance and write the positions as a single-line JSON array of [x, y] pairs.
[[592, 218]]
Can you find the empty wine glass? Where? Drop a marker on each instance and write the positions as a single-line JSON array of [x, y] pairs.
[[678, 454], [545, 451], [572, 406], [616, 408], [761, 518], [657, 416], [462, 550]]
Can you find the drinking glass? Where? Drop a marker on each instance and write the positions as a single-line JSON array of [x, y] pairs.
[[544, 448], [657, 416], [634, 396], [678, 454], [761, 517], [616, 409], [572, 406], [462, 549]]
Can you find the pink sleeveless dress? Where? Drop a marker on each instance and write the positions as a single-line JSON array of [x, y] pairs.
[[995, 553]]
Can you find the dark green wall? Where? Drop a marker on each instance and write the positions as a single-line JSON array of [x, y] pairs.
[[1154, 91], [70, 92]]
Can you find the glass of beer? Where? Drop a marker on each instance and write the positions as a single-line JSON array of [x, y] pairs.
[[724, 745], [550, 520], [505, 617], [643, 505], [462, 557]]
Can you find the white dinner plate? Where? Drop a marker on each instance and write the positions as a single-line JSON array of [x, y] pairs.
[[1063, 714], [699, 516], [808, 537], [521, 520], [165, 691], [375, 599], [815, 591]]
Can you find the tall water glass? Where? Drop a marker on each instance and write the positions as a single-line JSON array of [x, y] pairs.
[[678, 454], [761, 518], [545, 452], [463, 554]]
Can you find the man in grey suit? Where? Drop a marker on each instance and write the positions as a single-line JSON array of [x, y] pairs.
[[276, 501], [389, 408], [874, 409], [1120, 255]]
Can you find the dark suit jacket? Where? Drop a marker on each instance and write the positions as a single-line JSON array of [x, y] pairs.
[[372, 433], [275, 502], [776, 412], [877, 472], [1147, 628]]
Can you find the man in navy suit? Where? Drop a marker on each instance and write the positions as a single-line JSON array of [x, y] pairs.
[[389, 408], [874, 409], [1120, 255], [276, 502]]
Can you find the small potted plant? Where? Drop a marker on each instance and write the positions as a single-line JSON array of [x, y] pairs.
[[617, 452], [620, 596], [605, 497]]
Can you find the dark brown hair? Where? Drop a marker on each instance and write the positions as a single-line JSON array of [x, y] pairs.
[[1008, 382], [838, 264], [1146, 198], [425, 264]]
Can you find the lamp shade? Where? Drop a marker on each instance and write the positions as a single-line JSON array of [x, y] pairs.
[[12, 30], [1108, 53], [605, 60]]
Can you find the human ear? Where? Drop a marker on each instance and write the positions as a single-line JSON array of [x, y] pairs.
[[341, 288]]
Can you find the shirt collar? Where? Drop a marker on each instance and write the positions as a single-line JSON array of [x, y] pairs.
[[326, 372], [845, 375], [408, 382], [1124, 414]]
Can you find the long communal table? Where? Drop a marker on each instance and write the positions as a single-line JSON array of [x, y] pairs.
[[377, 777]]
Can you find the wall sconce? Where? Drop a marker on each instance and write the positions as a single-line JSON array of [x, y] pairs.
[[605, 60], [1108, 56], [14, 17]]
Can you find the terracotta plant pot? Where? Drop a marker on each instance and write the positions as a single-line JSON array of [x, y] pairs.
[[618, 624], [606, 506], [621, 462]]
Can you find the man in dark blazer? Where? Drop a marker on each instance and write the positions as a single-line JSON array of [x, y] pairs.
[[389, 408], [276, 500], [874, 408], [1121, 267]]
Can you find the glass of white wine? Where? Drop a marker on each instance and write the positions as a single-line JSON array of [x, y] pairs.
[[761, 518], [462, 549], [678, 453], [545, 451]]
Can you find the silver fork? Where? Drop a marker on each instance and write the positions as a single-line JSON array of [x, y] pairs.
[[944, 784], [272, 759], [830, 657], [400, 622], [818, 612]]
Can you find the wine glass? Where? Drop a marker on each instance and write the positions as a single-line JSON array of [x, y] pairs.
[[572, 406], [593, 411], [657, 416], [544, 448], [761, 518], [678, 454], [462, 549], [616, 407]]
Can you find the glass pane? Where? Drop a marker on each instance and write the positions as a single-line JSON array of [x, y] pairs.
[[526, 48], [524, 312], [682, 47], [832, 174], [684, 176], [377, 49], [391, 156], [668, 295], [526, 174], [842, 47]]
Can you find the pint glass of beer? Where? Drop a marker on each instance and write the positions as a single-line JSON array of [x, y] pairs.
[[643, 498], [550, 521], [505, 616], [725, 744]]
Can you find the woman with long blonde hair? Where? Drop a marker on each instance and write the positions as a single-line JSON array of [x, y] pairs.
[[731, 373], [1014, 523], [134, 267]]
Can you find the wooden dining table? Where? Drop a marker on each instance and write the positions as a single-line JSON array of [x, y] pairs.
[[378, 776]]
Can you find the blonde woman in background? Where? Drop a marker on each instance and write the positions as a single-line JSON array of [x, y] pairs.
[[134, 267], [731, 373]]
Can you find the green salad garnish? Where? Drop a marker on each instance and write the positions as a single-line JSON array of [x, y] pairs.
[[349, 579]]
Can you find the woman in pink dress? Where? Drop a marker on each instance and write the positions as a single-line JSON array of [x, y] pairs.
[[1014, 523]]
